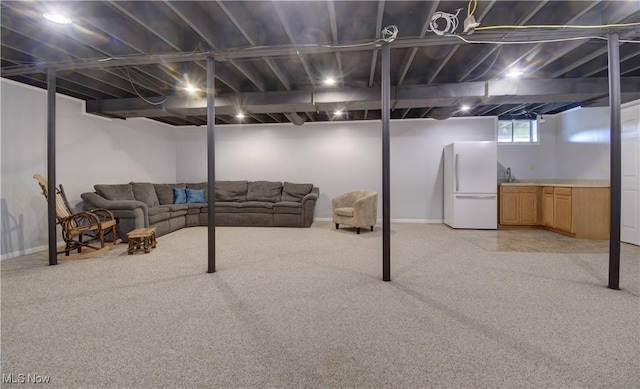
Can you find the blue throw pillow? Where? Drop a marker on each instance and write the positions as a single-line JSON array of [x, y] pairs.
[[180, 196], [195, 196]]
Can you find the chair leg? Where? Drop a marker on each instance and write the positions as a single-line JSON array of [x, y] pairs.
[[337, 225], [358, 230], [371, 228]]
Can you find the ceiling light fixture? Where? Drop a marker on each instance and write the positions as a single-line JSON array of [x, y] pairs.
[[240, 115], [338, 113], [330, 81], [57, 18], [190, 89], [514, 73], [465, 107]]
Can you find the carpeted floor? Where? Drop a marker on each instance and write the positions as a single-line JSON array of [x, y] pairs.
[[307, 308]]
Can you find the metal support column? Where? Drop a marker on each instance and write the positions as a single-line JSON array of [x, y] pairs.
[[211, 166], [386, 181], [51, 165], [616, 161]]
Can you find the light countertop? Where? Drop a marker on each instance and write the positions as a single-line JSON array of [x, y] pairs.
[[560, 182]]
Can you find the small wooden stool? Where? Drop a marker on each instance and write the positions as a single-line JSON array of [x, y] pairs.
[[142, 239]]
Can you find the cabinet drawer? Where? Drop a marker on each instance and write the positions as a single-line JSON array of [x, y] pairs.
[[518, 189], [547, 190], [562, 191]]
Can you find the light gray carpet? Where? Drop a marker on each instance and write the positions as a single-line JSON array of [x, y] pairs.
[[307, 308]]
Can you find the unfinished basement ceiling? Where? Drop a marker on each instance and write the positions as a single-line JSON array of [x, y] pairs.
[[134, 58]]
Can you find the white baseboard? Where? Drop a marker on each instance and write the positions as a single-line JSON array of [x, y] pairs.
[[27, 251]]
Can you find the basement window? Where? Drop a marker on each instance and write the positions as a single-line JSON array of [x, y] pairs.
[[518, 131]]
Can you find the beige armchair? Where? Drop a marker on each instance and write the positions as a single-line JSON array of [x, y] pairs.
[[356, 209]]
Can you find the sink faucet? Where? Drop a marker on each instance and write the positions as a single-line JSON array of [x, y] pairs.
[[508, 174]]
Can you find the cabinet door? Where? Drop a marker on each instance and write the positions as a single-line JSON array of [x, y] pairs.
[[509, 208], [562, 211], [528, 208], [547, 209]]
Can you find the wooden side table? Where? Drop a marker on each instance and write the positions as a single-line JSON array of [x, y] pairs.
[[142, 239]]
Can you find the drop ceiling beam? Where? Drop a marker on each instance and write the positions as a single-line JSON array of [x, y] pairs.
[[404, 97], [300, 51], [334, 36]]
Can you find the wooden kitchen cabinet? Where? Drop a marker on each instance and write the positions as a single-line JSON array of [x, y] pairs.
[[547, 206], [579, 211], [518, 205], [562, 210]]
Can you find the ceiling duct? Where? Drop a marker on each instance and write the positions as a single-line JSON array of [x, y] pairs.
[[295, 118]]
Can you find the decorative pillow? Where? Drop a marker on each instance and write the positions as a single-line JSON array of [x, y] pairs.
[[295, 192], [195, 196], [180, 196], [199, 185], [270, 191]]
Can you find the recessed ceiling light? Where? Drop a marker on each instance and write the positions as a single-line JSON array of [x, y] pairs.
[[57, 18], [330, 81], [240, 115], [190, 89], [338, 113], [465, 107], [514, 73]]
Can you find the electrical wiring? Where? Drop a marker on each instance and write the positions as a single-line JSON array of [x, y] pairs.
[[557, 26], [138, 93], [450, 19], [469, 10], [537, 41]]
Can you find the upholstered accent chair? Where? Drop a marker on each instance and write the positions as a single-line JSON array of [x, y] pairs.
[[356, 209]]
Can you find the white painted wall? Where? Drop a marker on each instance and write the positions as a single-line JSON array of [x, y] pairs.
[[337, 157], [583, 144], [90, 150]]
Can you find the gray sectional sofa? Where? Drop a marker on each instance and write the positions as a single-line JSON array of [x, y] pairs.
[[237, 203]]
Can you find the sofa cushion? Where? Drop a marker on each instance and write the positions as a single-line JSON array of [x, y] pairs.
[[179, 196], [195, 196], [194, 208], [160, 217], [270, 191], [227, 207], [199, 185], [231, 190], [344, 211], [255, 207], [145, 192], [165, 192], [115, 191], [288, 207], [295, 192], [176, 207], [157, 210]]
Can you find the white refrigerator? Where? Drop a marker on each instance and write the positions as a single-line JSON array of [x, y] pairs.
[[471, 185]]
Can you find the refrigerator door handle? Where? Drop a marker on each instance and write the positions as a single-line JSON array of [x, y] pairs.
[[456, 173], [476, 196]]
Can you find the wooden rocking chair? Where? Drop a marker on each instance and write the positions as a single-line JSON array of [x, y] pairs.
[[83, 230]]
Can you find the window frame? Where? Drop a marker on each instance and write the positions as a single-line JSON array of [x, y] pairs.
[[534, 131]]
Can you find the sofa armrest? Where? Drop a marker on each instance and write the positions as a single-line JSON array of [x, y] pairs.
[[97, 201], [309, 206], [312, 196]]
